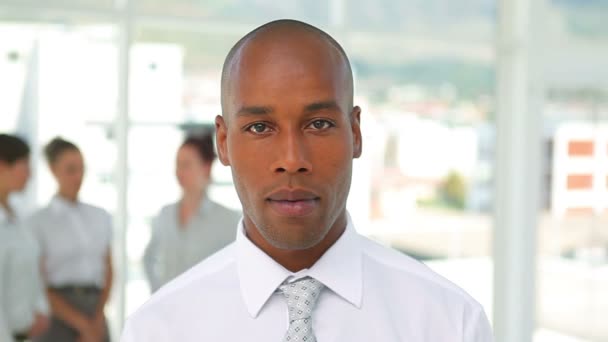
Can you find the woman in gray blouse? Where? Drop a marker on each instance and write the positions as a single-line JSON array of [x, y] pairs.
[[23, 305], [75, 241], [186, 232]]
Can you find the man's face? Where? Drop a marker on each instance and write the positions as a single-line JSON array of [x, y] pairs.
[[290, 134]]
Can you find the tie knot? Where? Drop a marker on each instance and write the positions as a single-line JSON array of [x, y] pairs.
[[302, 296]]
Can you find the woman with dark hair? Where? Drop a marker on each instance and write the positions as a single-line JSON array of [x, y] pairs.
[[186, 232], [75, 239], [23, 305]]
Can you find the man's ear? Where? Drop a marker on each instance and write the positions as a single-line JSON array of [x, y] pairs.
[[355, 121], [221, 134]]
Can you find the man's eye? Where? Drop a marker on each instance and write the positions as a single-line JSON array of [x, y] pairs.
[[258, 128], [321, 124]]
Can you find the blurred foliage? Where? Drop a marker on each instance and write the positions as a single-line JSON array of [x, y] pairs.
[[202, 50], [451, 194], [377, 62], [472, 79], [391, 15], [453, 190]]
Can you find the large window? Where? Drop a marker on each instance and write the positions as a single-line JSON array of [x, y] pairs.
[[425, 77], [60, 80], [573, 239]]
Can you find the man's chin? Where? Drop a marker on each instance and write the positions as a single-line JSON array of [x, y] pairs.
[[293, 237], [294, 245]]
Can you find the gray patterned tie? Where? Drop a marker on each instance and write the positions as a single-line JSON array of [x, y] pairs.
[[301, 298]]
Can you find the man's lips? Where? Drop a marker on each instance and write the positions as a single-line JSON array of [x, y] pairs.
[[292, 195], [293, 202]]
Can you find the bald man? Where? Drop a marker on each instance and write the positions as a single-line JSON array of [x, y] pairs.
[[298, 270]]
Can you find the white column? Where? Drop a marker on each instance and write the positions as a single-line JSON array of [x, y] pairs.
[[337, 14], [518, 169], [121, 129]]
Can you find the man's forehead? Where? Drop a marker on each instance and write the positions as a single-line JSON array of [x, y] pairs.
[[286, 81], [298, 48], [263, 59], [285, 57]]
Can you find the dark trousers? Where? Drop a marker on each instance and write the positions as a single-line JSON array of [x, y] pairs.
[[82, 298], [20, 337]]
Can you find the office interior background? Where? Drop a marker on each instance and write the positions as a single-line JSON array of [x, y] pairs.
[[485, 125]]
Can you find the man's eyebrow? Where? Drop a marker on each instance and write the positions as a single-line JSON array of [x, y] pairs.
[[318, 106], [254, 110]]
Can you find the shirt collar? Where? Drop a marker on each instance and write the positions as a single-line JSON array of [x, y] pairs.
[[339, 269]]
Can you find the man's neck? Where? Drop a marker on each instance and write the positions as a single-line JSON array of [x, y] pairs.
[[298, 259]]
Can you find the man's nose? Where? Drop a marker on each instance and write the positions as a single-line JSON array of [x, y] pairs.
[[293, 155]]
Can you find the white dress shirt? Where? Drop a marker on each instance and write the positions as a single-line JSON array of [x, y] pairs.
[[173, 249], [74, 239], [372, 293], [22, 292]]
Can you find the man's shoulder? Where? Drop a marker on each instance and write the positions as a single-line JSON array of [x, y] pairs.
[[412, 288], [206, 269], [402, 268], [203, 277]]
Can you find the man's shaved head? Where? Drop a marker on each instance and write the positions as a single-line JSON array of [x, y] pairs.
[[288, 29], [289, 132]]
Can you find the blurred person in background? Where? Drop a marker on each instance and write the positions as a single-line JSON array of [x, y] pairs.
[[75, 239], [23, 304], [188, 231]]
